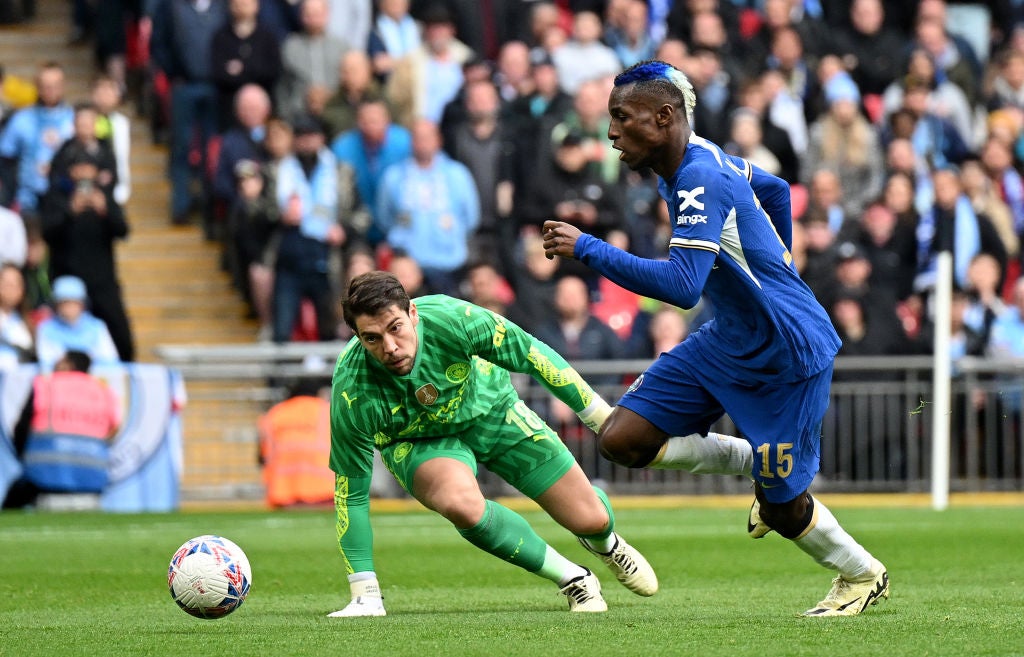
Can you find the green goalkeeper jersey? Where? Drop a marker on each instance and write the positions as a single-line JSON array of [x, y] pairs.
[[453, 382], [460, 373]]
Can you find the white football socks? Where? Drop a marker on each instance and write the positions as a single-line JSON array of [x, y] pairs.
[[558, 569], [711, 454], [829, 545]]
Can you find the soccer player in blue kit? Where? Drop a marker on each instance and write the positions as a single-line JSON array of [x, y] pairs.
[[765, 359]]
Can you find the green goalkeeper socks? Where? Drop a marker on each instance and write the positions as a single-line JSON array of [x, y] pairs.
[[505, 534]]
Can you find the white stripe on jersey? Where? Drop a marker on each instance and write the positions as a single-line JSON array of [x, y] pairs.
[[683, 242], [733, 248]]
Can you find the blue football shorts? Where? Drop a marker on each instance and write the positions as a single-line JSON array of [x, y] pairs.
[[684, 392]]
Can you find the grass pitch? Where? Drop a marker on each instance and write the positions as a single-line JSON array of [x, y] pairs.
[[91, 584]]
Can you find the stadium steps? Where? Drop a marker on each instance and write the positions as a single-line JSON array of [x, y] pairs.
[[173, 287]]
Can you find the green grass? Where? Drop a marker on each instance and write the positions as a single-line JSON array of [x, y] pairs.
[[84, 584]]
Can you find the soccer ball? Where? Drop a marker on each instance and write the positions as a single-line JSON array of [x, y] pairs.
[[209, 576]]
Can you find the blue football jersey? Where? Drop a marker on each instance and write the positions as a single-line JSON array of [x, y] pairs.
[[768, 326]]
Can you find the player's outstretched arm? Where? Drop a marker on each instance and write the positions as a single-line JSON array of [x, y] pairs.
[[678, 280]]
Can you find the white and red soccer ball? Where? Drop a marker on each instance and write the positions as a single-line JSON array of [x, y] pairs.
[[209, 576]]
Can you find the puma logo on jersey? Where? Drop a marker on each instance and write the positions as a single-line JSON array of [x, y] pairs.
[[688, 199], [344, 394]]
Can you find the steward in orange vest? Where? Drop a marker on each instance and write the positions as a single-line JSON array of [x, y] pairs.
[[295, 445]]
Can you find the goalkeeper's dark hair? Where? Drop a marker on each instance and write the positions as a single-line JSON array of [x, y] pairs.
[[372, 292]]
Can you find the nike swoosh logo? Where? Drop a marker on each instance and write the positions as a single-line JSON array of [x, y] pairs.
[[878, 591]]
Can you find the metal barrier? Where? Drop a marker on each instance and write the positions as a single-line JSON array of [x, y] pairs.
[[876, 435]]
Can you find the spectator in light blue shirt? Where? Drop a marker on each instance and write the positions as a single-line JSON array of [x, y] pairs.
[[429, 207], [310, 193], [73, 328], [372, 146], [32, 137]]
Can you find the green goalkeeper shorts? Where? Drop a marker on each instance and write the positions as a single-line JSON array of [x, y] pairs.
[[513, 443]]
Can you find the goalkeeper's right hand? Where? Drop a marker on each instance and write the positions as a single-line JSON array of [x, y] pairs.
[[366, 600]]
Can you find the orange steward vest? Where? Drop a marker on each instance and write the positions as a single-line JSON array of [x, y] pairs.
[[295, 441]]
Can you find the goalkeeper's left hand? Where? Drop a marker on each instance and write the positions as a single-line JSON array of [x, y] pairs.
[[366, 600], [595, 414]]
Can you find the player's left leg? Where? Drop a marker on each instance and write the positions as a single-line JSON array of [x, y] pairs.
[[441, 474], [529, 455], [861, 581], [787, 449], [586, 511]]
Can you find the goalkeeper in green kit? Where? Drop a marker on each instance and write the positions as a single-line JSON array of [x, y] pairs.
[[426, 382]]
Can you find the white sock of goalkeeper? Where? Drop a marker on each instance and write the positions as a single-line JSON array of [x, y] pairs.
[[712, 454], [829, 545]]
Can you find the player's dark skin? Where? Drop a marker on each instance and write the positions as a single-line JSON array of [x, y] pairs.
[[652, 132]]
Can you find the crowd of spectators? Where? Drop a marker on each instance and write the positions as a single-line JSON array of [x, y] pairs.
[[316, 139]]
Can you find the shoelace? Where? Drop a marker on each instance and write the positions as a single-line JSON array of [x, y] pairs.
[[577, 591], [839, 586], [623, 560]]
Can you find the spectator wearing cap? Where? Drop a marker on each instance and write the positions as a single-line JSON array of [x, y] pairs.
[[842, 139], [853, 279], [428, 78], [861, 336], [455, 113], [72, 328], [81, 222], [428, 206], [547, 102], [314, 195], [309, 62], [30, 139]]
